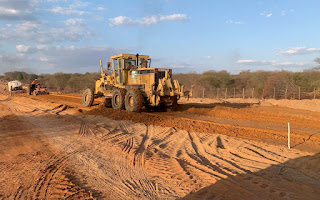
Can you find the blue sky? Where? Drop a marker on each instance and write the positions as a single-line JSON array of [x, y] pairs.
[[47, 36]]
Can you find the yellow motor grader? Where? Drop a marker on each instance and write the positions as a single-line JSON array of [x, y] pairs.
[[132, 83]]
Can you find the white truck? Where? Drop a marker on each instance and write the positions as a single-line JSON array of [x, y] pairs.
[[14, 85]]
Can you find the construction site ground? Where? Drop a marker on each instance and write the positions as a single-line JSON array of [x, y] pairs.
[[53, 148]]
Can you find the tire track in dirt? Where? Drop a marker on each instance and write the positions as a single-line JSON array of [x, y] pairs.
[[41, 186], [85, 129], [139, 161], [63, 187], [118, 135], [133, 145], [139, 153], [202, 155], [128, 146], [19, 193]]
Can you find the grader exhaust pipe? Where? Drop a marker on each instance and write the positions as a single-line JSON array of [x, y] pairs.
[[137, 59]]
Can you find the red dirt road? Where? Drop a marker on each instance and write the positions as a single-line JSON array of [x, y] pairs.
[[53, 148]]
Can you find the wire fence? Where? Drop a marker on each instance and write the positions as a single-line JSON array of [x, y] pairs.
[[297, 93]]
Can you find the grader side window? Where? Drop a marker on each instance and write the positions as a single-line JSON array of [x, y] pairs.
[[120, 70], [115, 66], [130, 64], [143, 63]]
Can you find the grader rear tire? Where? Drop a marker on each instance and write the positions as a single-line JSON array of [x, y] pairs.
[[118, 97], [87, 98], [134, 100], [174, 106]]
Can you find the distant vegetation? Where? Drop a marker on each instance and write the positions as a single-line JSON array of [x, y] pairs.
[[58, 82], [263, 82]]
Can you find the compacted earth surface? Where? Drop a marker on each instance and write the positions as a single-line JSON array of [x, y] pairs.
[[53, 148]]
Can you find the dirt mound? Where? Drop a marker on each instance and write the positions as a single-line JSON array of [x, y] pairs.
[[196, 125], [260, 114], [312, 105]]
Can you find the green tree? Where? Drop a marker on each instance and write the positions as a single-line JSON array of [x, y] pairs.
[[20, 77]]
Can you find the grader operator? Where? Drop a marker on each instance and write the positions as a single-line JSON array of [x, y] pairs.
[[132, 83]]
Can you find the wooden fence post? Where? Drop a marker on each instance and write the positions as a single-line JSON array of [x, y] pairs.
[[243, 93], [262, 93], [203, 93], [252, 93], [274, 93], [234, 93], [225, 95], [314, 93], [289, 135], [299, 93], [286, 94]]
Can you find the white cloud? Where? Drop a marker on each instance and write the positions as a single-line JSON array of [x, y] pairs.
[[150, 20], [174, 17], [43, 59], [66, 11], [283, 13], [273, 63], [73, 21], [22, 48], [234, 22], [78, 4], [101, 8], [300, 51], [122, 20], [72, 9], [44, 33], [7, 11], [18, 9], [255, 62], [154, 19], [266, 14]]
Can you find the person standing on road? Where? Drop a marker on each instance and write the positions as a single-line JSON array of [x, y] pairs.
[[33, 85], [10, 90]]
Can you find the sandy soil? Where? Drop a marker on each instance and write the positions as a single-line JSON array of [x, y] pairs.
[[52, 148]]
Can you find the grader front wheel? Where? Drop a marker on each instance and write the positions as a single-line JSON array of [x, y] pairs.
[[118, 98], [134, 100], [87, 98]]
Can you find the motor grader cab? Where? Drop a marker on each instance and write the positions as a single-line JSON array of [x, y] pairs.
[[132, 83]]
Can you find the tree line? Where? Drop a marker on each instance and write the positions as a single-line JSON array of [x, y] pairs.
[[263, 82], [58, 82]]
